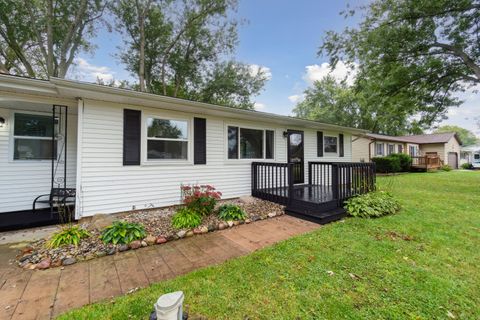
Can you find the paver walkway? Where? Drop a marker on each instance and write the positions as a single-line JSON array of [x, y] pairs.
[[27, 294]]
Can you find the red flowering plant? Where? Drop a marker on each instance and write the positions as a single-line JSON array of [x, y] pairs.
[[200, 198]]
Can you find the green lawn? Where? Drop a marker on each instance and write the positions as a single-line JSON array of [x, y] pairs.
[[422, 263]]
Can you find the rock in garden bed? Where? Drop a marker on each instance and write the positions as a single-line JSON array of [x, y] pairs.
[[158, 227]]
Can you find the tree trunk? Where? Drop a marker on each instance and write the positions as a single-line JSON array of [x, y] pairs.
[[50, 69]]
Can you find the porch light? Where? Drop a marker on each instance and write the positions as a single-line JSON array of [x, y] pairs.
[[2, 122]]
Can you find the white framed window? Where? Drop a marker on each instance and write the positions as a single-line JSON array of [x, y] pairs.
[[400, 148], [167, 139], [250, 143], [413, 151], [32, 136], [391, 149], [330, 144], [379, 151]]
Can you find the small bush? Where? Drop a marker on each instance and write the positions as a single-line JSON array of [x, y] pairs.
[[372, 204], [446, 167], [67, 236], [387, 164], [231, 212], [186, 218], [467, 166], [200, 198], [122, 232], [405, 161]]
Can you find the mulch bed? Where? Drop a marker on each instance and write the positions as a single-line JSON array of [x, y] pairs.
[[157, 223]]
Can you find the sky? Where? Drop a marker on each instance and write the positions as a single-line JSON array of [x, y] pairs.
[[282, 37]]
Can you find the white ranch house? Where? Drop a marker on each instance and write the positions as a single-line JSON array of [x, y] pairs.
[[127, 150]]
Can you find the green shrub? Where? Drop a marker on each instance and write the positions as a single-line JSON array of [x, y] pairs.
[[372, 204], [67, 236], [186, 218], [387, 164], [467, 166], [231, 212], [200, 198], [405, 161], [446, 167], [122, 232]]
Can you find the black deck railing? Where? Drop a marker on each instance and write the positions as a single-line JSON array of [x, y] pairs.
[[327, 182]]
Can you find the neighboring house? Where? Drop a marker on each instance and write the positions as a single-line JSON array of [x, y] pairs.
[[123, 150], [470, 154], [445, 146]]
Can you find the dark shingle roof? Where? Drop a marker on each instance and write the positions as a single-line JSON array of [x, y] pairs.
[[386, 138]]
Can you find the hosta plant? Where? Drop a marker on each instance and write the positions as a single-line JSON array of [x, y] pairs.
[[231, 212], [200, 198], [186, 218], [122, 232], [70, 235], [372, 204]]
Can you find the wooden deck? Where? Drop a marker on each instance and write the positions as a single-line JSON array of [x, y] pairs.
[[321, 199], [426, 163]]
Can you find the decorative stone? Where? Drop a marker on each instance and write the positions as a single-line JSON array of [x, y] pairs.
[[89, 257], [135, 244], [150, 240], [171, 237], [101, 254], [189, 233], [56, 263], [197, 231], [236, 223], [24, 258], [230, 223], [181, 233], [203, 229], [222, 226], [248, 221], [271, 214], [28, 265], [254, 218], [161, 240], [111, 251], [211, 227], [247, 199], [68, 261], [44, 264], [144, 243], [122, 247]]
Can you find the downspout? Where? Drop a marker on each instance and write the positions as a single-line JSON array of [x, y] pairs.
[[78, 197], [370, 150]]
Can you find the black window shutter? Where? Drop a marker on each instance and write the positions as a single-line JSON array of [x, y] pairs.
[[341, 152], [131, 137], [199, 141], [319, 144]]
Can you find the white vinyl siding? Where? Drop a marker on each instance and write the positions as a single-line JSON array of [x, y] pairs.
[[107, 186], [23, 180]]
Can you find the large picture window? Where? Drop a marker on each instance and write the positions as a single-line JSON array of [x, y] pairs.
[[330, 144], [167, 139], [32, 137], [246, 143]]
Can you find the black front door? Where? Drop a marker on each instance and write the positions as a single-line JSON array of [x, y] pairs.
[[295, 154]]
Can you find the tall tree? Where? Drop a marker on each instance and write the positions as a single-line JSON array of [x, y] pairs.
[[412, 54], [468, 138], [42, 38], [336, 102]]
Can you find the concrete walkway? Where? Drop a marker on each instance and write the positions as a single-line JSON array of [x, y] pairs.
[[26, 294]]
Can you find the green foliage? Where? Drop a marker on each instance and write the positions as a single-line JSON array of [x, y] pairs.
[[231, 212], [186, 218], [200, 198], [405, 161], [372, 204], [466, 166], [68, 236], [122, 232], [387, 164], [446, 167], [411, 57], [467, 137], [37, 43]]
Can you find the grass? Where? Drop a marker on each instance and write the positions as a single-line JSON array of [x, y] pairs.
[[422, 263]]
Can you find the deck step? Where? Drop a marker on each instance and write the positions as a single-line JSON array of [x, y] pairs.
[[320, 217]]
